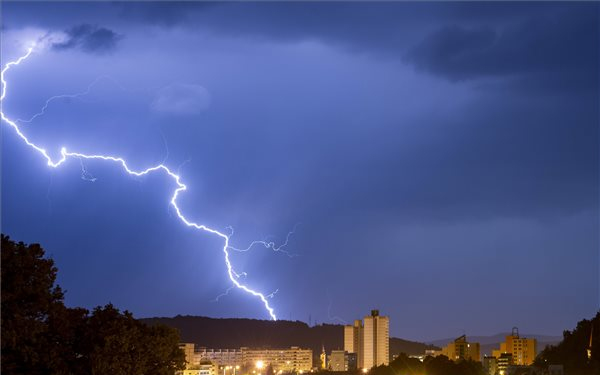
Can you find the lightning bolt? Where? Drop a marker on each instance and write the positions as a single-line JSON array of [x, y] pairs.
[[268, 244], [67, 96], [224, 294], [181, 187], [334, 317]]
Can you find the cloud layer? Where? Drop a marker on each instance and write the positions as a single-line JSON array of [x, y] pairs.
[[89, 38], [181, 99], [421, 145]]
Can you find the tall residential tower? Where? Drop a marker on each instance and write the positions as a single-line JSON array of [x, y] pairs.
[[369, 340], [353, 341]]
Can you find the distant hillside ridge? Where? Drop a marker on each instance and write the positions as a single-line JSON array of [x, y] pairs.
[[234, 333]]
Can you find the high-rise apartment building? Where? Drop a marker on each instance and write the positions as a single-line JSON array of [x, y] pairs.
[[523, 350], [376, 340], [370, 340], [353, 341]]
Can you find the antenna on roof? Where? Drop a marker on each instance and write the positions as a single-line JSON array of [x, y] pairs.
[[515, 332]]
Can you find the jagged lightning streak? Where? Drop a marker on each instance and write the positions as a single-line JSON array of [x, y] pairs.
[[268, 244], [233, 276], [66, 96]]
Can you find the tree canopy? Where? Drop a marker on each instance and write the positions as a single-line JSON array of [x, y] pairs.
[[40, 335], [439, 365], [572, 353]]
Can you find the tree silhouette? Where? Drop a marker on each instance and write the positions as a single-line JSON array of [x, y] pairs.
[[40, 335], [572, 351]]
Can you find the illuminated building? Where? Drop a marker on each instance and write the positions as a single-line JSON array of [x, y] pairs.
[[339, 361], [460, 349], [376, 340], [207, 368], [229, 361], [220, 357], [490, 365], [523, 350], [193, 365], [284, 360], [505, 360], [352, 361], [353, 341], [370, 340], [188, 350]]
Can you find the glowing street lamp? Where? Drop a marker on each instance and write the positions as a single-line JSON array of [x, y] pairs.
[[259, 365]]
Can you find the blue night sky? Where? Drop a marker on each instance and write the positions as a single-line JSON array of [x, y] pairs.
[[439, 161]]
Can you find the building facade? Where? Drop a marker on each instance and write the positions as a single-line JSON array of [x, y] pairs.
[[490, 365], [231, 361], [370, 340], [523, 350], [460, 349], [220, 357], [188, 350], [293, 359], [505, 361], [338, 360], [353, 340]]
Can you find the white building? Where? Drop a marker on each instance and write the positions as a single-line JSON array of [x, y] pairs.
[[220, 357], [230, 361]]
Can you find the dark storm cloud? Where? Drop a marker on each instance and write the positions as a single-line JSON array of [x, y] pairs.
[[491, 39], [565, 42], [89, 38], [549, 47], [447, 138]]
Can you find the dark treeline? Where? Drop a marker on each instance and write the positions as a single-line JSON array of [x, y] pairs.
[[572, 351], [440, 365], [404, 365], [40, 335]]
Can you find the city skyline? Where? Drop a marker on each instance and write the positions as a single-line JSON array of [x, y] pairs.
[[439, 165]]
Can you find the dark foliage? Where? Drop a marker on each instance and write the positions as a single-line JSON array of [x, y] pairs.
[[440, 365], [42, 336], [571, 352]]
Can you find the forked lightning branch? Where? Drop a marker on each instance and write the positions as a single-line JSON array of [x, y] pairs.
[[160, 168]]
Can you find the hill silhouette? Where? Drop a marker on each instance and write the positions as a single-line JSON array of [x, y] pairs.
[[235, 333]]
